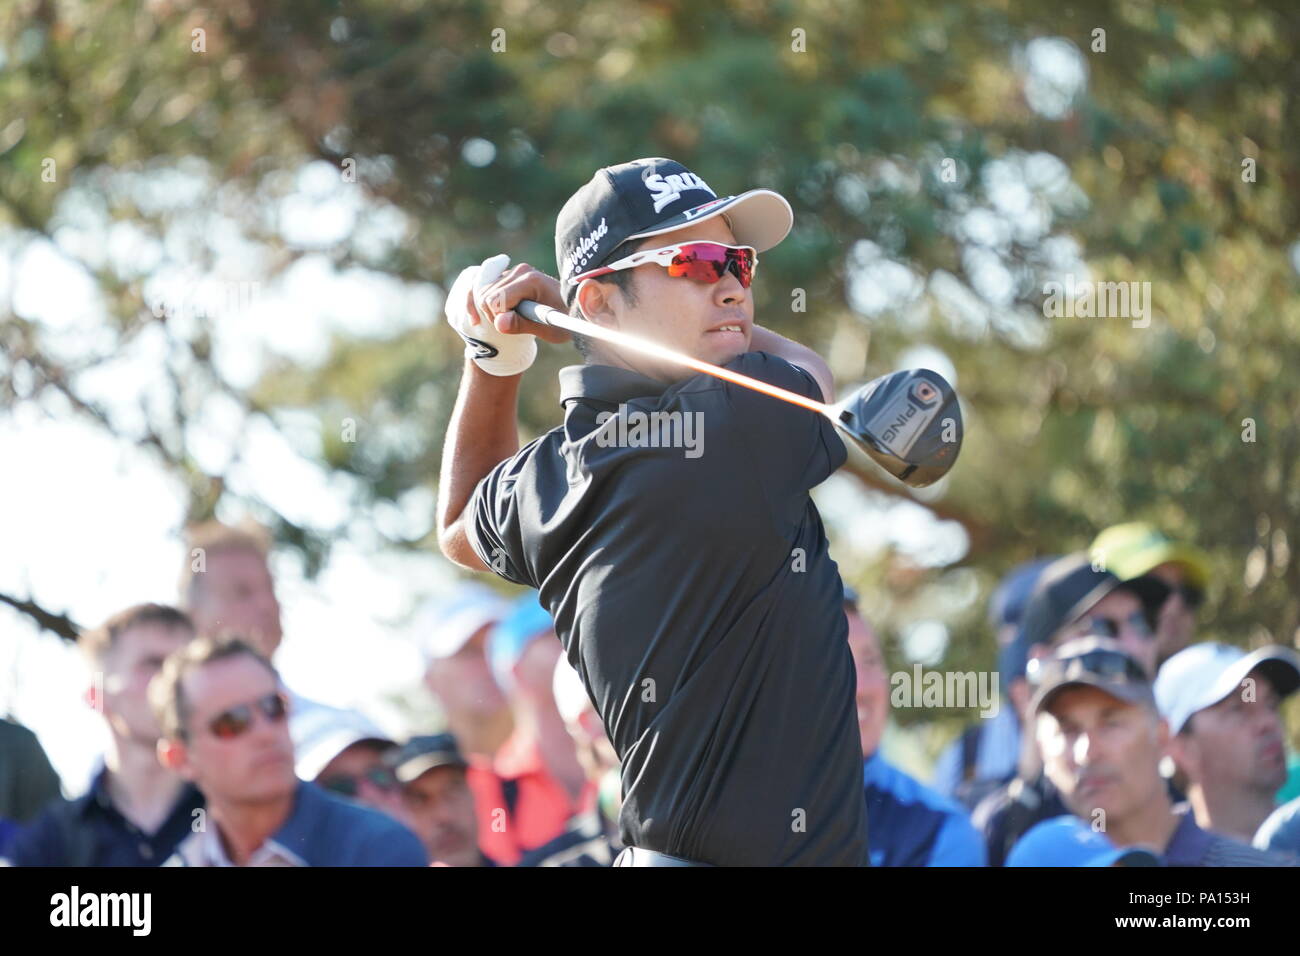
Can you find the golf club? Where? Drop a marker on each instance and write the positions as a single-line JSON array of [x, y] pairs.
[[908, 422]]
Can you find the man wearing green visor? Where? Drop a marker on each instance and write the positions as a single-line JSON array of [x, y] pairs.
[[1138, 549]]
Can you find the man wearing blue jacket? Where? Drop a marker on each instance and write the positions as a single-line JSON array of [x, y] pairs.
[[908, 824]]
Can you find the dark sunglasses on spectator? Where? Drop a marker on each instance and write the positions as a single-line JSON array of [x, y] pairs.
[[349, 786], [233, 723], [1102, 663], [1110, 627], [1193, 597]]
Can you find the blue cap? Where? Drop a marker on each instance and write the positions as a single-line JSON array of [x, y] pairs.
[[1012, 593], [507, 641], [1200, 676], [1068, 841]]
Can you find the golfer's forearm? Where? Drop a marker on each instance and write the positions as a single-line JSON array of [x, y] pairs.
[[765, 340], [482, 432]]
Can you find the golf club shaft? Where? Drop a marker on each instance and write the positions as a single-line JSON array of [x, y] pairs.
[[545, 315]]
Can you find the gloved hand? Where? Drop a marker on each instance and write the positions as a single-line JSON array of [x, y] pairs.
[[495, 352]]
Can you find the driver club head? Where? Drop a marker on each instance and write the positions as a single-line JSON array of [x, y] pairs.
[[908, 422]]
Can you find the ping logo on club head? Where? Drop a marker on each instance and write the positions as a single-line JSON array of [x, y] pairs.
[[482, 349], [924, 394]]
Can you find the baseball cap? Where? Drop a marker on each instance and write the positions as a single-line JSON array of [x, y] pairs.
[[525, 620], [1068, 841], [444, 626], [1202, 675], [1012, 593], [1131, 550], [325, 732], [1069, 586], [1090, 661], [422, 754], [650, 196]]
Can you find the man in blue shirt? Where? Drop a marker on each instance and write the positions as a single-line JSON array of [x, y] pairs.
[[136, 810], [907, 823], [224, 720]]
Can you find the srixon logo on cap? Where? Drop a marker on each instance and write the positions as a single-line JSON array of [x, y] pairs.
[[666, 189]]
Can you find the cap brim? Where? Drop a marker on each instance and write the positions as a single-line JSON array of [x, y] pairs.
[[316, 757], [416, 767], [1279, 664], [1192, 561], [1151, 591], [759, 218], [1128, 693]]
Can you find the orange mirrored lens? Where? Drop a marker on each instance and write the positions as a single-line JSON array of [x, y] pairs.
[[709, 262]]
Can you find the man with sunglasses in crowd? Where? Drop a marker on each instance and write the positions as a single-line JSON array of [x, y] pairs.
[[692, 589], [1072, 597], [136, 811], [223, 714], [1102, 738], [1137, 550]]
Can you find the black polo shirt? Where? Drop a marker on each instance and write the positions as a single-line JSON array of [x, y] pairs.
[[91, 831], [693, 591]]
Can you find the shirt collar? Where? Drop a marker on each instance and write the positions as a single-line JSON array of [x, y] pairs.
[[605, 383], [872, 764], [98, 797], [270, 853], [276, 847], [302, 826], [1189, 844]]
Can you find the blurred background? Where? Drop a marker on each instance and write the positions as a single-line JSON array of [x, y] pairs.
[[226, 231]]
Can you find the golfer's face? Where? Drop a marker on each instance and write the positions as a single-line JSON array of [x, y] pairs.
[[684, 314]]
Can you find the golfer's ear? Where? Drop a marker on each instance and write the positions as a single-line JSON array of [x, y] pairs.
[[594, 298]]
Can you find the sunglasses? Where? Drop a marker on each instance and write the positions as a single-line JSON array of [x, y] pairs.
[[1101, 663], [349, 786], [701, 261], [233, 723], [1192, 597], [1110, 627]]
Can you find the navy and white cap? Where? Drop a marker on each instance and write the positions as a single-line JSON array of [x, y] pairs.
[[650, 196], [1200, 676]]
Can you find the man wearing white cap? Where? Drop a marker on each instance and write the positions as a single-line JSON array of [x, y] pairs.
[[1226, 732], [454, 635]]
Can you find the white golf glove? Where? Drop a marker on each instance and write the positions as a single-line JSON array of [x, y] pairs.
[[494, 352]]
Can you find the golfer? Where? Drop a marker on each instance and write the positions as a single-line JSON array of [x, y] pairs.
[[693, 592]]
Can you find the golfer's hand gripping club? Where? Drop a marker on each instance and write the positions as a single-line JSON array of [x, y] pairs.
[[492, 350]]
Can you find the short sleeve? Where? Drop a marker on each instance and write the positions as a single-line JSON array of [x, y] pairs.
[[495, 533], [793, 448]]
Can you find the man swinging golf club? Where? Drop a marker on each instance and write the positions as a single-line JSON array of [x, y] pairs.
[[694, 595]]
